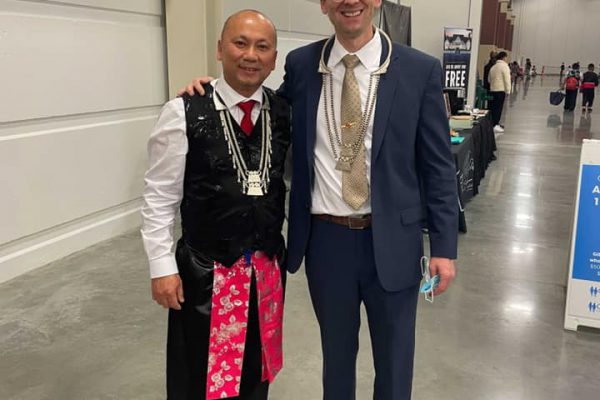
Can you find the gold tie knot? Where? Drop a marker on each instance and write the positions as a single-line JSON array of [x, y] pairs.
[[350, 61]]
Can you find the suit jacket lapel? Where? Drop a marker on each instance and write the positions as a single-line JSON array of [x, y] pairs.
[[385, 100], [313, 95]]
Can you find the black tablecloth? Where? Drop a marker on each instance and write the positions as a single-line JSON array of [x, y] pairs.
[[484, 146], [465, 171], [471, 159], [465, 166]]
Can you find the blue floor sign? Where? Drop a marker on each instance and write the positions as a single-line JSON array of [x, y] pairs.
[[586, 262]]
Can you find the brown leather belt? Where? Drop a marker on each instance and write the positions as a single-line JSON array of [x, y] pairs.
[[361, 222]]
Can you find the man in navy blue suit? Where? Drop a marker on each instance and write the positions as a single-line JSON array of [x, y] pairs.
[[371, 166], [368, 252]]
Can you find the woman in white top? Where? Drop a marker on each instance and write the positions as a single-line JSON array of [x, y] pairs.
[[500, 86]]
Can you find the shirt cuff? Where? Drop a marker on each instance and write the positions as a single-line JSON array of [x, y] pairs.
[[163, 266]]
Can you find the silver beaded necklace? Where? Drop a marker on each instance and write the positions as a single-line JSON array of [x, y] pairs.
[[254, 182], [349, 151]]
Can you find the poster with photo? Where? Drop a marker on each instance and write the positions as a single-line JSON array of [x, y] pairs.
[[457, 58]]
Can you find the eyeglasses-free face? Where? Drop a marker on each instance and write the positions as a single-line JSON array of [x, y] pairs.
[[247, 51], [352, 19]]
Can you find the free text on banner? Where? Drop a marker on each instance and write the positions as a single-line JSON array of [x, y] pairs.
[[457, 57]]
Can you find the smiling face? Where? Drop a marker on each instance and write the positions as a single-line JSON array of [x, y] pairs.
[[247, 51], [352, 19]]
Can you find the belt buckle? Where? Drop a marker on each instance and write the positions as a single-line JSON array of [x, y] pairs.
[[352, 226]]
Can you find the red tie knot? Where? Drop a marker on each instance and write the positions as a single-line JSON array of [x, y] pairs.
[[247, 106], [247, 125]]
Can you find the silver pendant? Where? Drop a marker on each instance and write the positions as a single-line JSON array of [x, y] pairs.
[[254, 184], [345, 166], [344, 163]]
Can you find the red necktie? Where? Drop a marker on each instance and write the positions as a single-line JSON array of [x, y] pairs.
[[246, 123]]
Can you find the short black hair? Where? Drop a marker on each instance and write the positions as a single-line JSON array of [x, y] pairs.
[[501, 55], [591, 67]]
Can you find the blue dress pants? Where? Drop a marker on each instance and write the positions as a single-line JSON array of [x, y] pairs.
[[340, 268]]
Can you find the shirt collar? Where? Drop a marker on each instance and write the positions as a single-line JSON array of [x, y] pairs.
[[369, 55], [230, 98]]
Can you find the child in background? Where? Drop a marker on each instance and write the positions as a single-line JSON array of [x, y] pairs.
[[588, 88]]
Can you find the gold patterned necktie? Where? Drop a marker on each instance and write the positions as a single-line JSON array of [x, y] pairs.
[[355, 188]]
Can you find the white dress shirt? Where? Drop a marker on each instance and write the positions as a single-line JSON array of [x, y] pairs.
[[167, 149], [327, 190]]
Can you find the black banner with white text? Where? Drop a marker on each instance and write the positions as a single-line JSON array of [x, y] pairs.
[[457, 58]]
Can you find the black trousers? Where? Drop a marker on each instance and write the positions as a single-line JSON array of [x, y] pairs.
[[497, 106], [588, 97], [570, 99], [188, 337]]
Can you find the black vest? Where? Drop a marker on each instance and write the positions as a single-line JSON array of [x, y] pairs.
[[218, 220]]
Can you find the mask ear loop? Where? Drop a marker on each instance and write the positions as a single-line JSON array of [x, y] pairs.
[[428, 285], [429, 295]]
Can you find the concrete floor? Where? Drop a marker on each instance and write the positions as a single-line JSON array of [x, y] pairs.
[[86, 328]]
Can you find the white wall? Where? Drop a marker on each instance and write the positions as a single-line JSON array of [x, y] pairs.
[[81, 85], [552, 31], [429, 17], [192, 30]]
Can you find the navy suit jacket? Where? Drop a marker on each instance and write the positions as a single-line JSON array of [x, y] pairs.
[[412, 168]]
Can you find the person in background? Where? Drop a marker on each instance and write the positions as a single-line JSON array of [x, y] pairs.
[[562, 70], [588, 88], [486, 70], [513, 71], [219, 160], [528, 68], [571, 86], [500, 87]]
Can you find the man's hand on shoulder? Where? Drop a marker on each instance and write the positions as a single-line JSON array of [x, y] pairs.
[[195, 86], [168, 291], [444, 267]]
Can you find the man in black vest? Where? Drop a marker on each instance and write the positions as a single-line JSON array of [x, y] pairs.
[[220, 159]]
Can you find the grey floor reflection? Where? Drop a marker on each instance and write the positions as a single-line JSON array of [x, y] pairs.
[[572, 128]]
